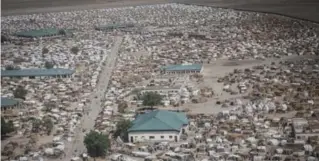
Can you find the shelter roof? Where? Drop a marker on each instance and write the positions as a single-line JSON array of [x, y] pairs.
[[180, 67], [36, 72], [38, 33], [5, 102], [159, 120]]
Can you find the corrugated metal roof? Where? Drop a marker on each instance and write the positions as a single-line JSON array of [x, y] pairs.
[[39, 33], [159, 120], [8, 102], [194, 67], [36, 72], [113, 26]]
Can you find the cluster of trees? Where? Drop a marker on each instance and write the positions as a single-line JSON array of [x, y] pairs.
[[151, 99], [6, 127], [48, 64], [97, 144], [12, 67], [20, 92]]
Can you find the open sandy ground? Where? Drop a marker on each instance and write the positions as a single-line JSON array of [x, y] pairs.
[[220, 68]]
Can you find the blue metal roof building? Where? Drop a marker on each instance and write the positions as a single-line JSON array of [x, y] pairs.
[[7, 102], [159, 120], [36, 72]]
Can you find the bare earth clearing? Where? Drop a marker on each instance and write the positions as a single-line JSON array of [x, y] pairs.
[[220, 68]]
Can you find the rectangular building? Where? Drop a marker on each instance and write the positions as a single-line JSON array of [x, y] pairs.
[[182, 69], [164, 91], [157, 126]]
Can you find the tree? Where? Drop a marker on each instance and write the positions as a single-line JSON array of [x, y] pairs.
[[62, 32], [122, 106], [4, 38], [75, 50], [96, 144], [45, 50], [151, 99], [49, 65], [48, 124], [10, 67], [121, 129], [20, 92], [6, 127]]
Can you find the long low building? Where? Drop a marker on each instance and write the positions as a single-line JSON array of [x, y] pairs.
[[162, 90], [8, 103], [41, 73], [182, 69], [113, 26], [157, 126], [39, 33]]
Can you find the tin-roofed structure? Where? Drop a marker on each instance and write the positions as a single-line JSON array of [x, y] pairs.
[[113, 26], [159, 125], [8, 103], [182, 69], [39, 33], [11, 108], [32, 73]]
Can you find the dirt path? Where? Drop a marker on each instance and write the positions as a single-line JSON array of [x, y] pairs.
[[88, 121]]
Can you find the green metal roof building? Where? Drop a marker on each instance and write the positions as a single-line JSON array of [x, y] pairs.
[[158, 125], [39, 33], [8, 102], [36, 72]]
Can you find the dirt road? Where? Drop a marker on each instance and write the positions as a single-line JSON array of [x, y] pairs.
[[88, 121]]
